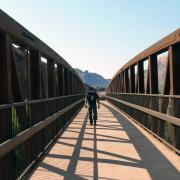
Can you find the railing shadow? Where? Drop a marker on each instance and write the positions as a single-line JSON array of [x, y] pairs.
[[95, 136], [166, 170]]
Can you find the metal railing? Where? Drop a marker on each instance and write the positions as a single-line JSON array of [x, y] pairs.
[[136, 87], [39, 93], [34, 125], [157, 113]]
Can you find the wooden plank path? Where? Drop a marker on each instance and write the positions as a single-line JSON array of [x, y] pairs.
[[116, 149]]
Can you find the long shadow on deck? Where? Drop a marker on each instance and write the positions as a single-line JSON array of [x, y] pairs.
[[69, 174], [151, 158], [142, 148]]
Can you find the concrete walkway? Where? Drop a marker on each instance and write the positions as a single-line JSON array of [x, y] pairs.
[[116, 149]]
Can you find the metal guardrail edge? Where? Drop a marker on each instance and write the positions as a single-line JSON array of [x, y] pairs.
[[165, 117], [149, 95], [10, 144], [148, 130], [16, 104]]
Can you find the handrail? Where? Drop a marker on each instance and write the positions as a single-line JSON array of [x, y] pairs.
[[175, 122], [150, 95], [4, 106], [164, 117], [10, 144]]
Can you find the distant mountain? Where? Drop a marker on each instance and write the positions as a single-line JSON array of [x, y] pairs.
[[92, 79]]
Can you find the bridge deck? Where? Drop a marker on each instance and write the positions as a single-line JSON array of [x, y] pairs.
[[116, 148]]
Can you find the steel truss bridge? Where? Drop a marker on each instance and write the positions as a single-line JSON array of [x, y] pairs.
[[44, 128]]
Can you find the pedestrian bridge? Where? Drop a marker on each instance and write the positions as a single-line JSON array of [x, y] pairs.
[[117, 148], [44, 128]]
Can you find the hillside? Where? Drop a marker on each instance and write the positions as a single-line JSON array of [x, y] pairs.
[[92, 79]]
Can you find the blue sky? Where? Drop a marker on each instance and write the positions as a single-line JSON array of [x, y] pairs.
[[98, 35]]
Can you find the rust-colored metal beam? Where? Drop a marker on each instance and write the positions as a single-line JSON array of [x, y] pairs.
[[60, 80], [5, 69], [167, 78], [16, 84], [66, 83], [156, 48], [132, 79], [140, 74], [164, 117], [153, 74], [51, 78], [5, 98], [174, 51], [23, 37], [126, 80], [35, 75]]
